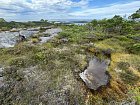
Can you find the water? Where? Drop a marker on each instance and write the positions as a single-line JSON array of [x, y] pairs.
[[72, 21], [95, 75], [80, 24]]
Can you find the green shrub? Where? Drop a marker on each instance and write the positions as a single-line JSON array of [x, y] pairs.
[[64, 35], [48, 45], [129, 77], [42, 29], [123, 65], [135, 48], [35, 40], [19, 62], [4, 29]]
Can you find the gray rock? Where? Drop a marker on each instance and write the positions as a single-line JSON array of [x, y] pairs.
[[64, 40], [1, 82], [137, 38], [1, 72], [9, 39], [1, 78], [53, 32], [95, 75]]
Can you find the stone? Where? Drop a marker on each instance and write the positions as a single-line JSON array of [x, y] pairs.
[[107, 53], [1, 82], [137, 38], [64, 40], [1, 77], [1, 72], [9, 39], [96, 75]]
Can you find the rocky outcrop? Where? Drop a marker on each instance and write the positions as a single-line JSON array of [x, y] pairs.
[[10, 38], [95, 75], [52, 32]]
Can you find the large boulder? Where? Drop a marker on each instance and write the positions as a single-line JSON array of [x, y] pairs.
[[96, 75]]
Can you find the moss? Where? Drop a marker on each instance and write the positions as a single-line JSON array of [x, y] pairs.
[[135, 48], [38, 57], [135, 94], [49, 73], [134, 37], [35, 40], [123, 38], [113, 44], [19, 62], [42, 30], [35, 36], [129, 77], [25, 48], [48, 45], [13, 73], [64, 35], [123, 65]]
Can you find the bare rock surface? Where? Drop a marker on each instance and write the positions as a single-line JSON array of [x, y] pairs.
[[9, 39], [1, 77], [95, 75], [53, 32]]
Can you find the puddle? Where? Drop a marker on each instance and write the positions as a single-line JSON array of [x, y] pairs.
[[95, 75]]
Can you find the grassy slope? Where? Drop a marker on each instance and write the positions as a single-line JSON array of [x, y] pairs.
[[49, 73]]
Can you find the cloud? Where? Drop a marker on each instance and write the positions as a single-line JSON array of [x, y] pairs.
[[119, 9], [39, 5], [17, 8], [23, 10]]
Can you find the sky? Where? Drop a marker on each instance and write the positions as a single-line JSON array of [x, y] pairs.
[[30, 10]]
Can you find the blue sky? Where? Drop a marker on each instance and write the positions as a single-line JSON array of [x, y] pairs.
[[26, 10]]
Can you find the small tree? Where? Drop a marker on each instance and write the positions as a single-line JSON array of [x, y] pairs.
[[94, 22], [2, 20], [135, 15], [42, 20]]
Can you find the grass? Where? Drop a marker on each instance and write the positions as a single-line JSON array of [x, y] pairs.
[[49, 73]]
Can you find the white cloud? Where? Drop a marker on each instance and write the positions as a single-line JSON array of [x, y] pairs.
[[119, 9], [38, 5], [37, 9], [21, 8]]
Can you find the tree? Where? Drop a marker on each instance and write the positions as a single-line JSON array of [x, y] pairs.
[[42, 20], [127, 27], [135, 15], [114, 24], [2, 20], [46, 20], [94, 22]]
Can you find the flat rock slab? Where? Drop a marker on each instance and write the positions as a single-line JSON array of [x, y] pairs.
[[53, 32], [9, 39], [95, 75]]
